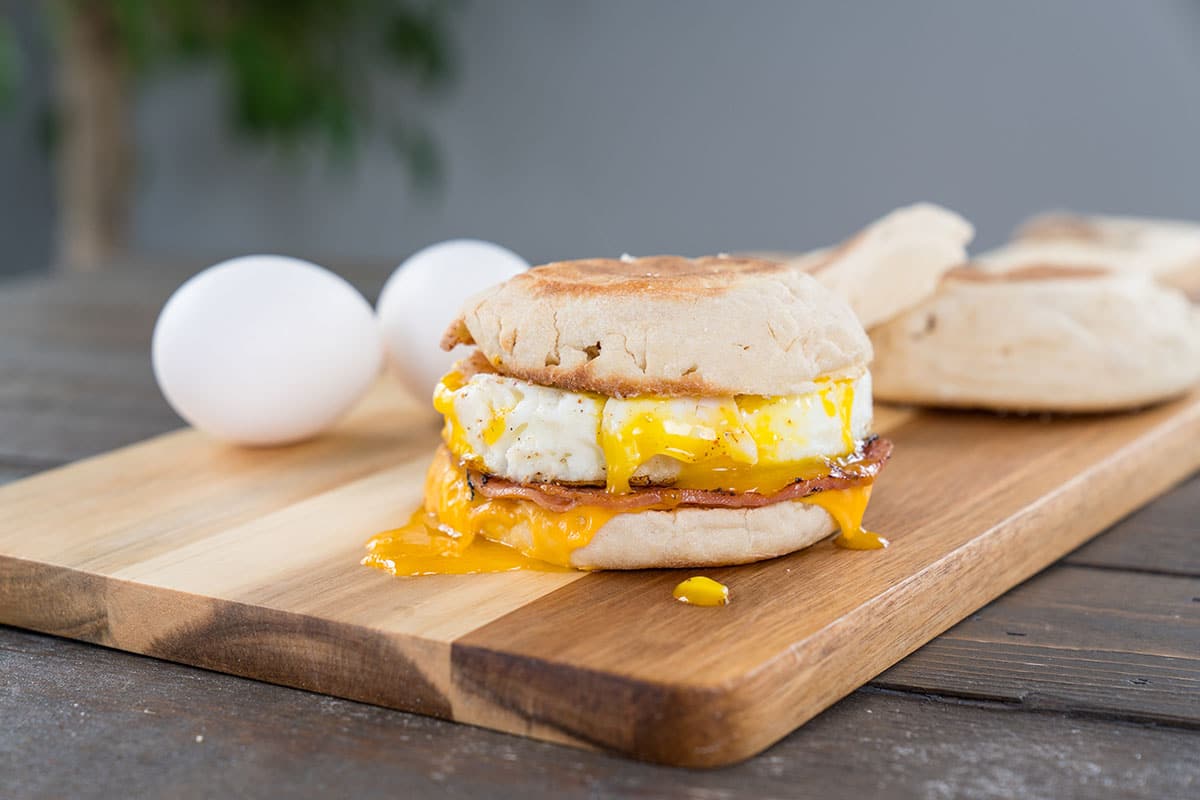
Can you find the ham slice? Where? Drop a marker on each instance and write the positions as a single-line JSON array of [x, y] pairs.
[[559, 497]]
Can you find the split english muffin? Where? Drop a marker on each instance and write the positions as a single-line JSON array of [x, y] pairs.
[[892, 264]]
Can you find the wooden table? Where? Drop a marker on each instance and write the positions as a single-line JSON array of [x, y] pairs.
[[1083, 682]]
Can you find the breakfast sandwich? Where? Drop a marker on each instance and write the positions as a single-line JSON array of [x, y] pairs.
[[656, 412]]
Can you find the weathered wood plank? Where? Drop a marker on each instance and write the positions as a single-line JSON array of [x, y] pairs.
[[112, 310], [261, 740], [75, 374], [74, 383], [1074, 639], [1162, 537], [48, 436], [77, 718], [66, 408], [13, 472]]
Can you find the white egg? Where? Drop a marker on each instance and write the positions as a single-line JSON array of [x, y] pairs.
[[264, 350], [425, 294]]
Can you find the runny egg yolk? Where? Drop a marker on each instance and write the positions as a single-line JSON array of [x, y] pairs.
[[838, 399], [453, 434], [421, 548], [496, 427], [847, 507], [713, 434], [731, 444]]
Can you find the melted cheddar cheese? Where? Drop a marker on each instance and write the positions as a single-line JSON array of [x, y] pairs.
[[455, 516], [420, 548]]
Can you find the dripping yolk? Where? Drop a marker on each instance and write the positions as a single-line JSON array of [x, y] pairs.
[[421, 548], [453, 432], [837, 397], [455, 516], [706, 432], [847, 507]]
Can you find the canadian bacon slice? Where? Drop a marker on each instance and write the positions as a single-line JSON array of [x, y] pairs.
[[560, 497]]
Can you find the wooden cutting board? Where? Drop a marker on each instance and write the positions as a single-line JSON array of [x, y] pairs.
[[247, 561]]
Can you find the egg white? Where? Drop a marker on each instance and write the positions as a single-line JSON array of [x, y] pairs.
[[531, 433]]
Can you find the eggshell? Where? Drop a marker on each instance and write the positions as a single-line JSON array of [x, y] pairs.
[[264, 349], [424, 295]]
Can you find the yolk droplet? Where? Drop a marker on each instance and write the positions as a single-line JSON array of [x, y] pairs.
[[701, 591]]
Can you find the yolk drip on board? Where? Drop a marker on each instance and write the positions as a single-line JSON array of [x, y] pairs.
[[420, 548], [701, 591], [455, 522], [730, 445]]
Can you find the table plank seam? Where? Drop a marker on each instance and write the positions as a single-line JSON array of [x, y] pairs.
[[1028, 704], [1070, 561], [19, 461], [1067, 649]]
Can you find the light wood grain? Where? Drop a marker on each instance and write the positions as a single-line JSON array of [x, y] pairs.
[[974, 504], [246, 562]]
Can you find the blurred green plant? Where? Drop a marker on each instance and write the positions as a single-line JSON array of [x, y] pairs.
[[298, 69], [294, 71], [9, 65]]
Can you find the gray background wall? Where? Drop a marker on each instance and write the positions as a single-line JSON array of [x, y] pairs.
[[26, 198], [589, 128]]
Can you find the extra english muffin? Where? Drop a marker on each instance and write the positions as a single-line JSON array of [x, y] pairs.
[[1041, 338], [1167, 251]]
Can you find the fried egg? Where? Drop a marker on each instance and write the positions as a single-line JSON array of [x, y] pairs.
[[531, 433]]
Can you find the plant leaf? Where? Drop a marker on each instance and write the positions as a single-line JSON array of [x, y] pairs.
[[10, 65]]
